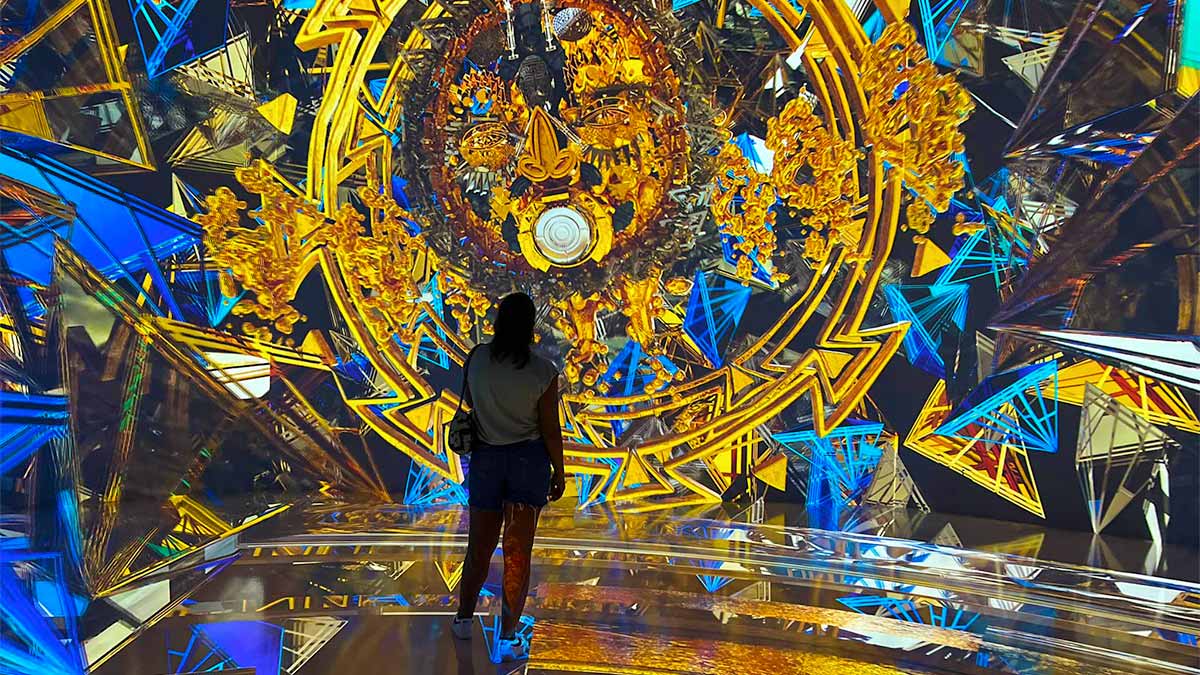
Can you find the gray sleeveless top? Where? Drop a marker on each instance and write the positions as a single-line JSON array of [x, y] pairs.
[[504, 398]]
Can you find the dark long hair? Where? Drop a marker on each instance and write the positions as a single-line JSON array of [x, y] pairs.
[[513, 334]]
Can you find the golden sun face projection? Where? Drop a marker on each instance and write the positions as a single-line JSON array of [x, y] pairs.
[[564, 153], [577, 152]]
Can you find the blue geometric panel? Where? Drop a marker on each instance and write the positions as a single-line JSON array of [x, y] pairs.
[[714, 311], [1189, 42], [428, 349], [930, 311], [977, 255], [874, 25], [17, 19], [491, 634], [26, 423], [198, 656], [199, 293], [588, 483], [938, 22], [39, 615], [753, 12], [841, 463], [426, 488], [399, 185], [939, 615], [712, 583], [250, 644], [1188, 639], [119, 234], [1011, 405], [755, 150], [356, 376], [1002, 248], [1096, 146], [168, 36]]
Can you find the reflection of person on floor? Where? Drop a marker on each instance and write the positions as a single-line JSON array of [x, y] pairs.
[[516, 467]]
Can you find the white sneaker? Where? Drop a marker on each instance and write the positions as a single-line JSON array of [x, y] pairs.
[[462, 628], [512, 649]]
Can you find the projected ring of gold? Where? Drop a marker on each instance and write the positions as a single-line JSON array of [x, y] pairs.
[[698, 427]]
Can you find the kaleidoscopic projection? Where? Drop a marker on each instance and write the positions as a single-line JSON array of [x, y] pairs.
[[840, 254]]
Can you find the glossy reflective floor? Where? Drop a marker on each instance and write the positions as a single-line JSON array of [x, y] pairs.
[[332, 588]]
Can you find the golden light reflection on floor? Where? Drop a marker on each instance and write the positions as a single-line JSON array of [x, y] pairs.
[[579, 648]]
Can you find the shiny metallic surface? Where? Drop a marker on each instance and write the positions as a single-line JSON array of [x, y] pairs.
[[359, 587]]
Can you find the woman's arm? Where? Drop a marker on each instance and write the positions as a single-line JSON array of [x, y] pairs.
[[551, 430]]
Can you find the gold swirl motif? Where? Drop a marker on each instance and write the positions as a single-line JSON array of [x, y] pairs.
[[575, 317], [914, 121], [384, 269], [814, 172]]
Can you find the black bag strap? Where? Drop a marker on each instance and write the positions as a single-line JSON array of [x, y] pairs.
[[465, 389]]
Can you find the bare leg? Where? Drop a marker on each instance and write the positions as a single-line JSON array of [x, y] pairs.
[[482, 534], [520, 524]]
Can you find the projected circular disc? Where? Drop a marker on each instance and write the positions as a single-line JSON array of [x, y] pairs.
[[563, 235]]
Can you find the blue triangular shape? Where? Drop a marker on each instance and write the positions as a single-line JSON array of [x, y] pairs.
[[755, 150], [376, 87], [930, 311], [251, 644], [714, 311], [1035, 425], [712, 583], [426, 488], [169, 37], [33, 641]]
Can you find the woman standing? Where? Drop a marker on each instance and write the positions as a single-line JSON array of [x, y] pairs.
[[517, 467]]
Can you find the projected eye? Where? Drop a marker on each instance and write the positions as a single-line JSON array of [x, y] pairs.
[[609, 124], [486, 146]]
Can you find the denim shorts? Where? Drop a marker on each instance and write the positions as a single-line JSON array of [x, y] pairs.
[[518, 473]]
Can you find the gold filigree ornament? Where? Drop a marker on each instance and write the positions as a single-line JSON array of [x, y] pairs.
[[743, 206], [384, 268], [268, 259], [814, 174], [914, 121], [576, 316], [611, 124]]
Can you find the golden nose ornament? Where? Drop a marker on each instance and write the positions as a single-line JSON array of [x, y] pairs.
[[543, 158]]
